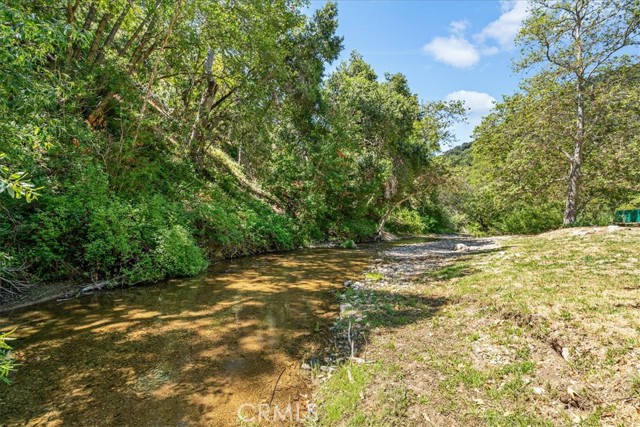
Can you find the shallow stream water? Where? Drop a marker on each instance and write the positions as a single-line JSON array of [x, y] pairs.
[[181, 353]]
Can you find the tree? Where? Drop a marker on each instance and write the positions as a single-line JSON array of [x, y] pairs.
[[516, 181], [575, 41]]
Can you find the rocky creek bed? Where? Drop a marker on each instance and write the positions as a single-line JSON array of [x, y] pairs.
[[377, 298]]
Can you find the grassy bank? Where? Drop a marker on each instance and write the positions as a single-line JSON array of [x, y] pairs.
[[542, 331]]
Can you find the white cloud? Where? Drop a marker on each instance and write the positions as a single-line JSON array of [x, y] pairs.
[[454, 50], [458, 27], [498, 36], [479, 103], [504, 29]]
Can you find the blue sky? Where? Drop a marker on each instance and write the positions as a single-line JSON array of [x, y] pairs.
[[448, 49]]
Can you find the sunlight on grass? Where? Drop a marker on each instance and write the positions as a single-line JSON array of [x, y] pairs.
[[547, 320]]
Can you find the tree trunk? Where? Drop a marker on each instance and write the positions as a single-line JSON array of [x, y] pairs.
[[71, 17], [154, 70], [204, 107], [132, 39], [571, 205], [575, 164], [96, 118], [113, 32], [91, 13], [145, 55], [139, 28], [89, 18], [138, 51], [98, 37], [387, 214]]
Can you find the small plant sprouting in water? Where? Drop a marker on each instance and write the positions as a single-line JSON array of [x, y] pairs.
[[375, 276], [6, 364], [348, 244]]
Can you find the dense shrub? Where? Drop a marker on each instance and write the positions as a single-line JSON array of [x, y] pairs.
[[357, 229], [406, 221], [177, 254], [531, 219], [141, 183]]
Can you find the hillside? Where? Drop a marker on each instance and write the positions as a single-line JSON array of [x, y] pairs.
[[460, 155]]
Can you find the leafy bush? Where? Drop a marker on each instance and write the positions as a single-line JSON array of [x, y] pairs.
[[177, 254], [406, 221], [632, 204], [531, 219], [348, 244], [358, 228]]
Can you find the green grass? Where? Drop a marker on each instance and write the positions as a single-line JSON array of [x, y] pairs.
[[449, 272], [635, 386], [518, 419], [341, 394], [510, 314]]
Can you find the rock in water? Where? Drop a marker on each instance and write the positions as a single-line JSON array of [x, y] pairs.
[[460, 247]]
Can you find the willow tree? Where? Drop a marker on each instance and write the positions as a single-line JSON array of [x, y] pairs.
[[573, 42]]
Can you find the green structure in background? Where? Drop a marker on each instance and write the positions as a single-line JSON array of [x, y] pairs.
[[628, 216]]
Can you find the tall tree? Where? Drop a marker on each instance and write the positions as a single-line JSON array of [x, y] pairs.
[[575, 41]]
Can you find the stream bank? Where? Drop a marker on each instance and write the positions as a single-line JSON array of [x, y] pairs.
[[514, 331]]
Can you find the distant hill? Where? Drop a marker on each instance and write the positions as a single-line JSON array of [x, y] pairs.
[[460, 155]]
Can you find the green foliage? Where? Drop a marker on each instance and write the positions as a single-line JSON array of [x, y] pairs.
[[341, 394], [6, 364], [177, 254], [634, 203], [518, 178], [357, 228], [348, 244], [461, 155], [406, 221], [16, 184], [170, 133], [574, 46], [530, 219]]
